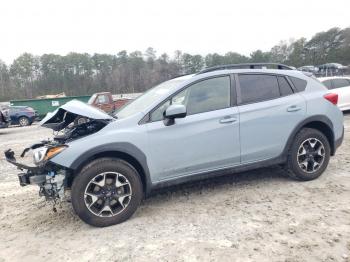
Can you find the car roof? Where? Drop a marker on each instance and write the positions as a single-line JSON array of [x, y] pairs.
[[294, 73], [288, 72], [272, 68], [183, 77]]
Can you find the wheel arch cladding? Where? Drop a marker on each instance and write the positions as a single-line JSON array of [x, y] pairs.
[[124, 151], [320, 123]]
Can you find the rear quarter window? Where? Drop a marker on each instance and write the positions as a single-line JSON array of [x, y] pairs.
[[298, 83]]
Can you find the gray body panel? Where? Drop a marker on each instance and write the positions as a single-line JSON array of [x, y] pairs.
[[196, 143], [259, 120], [199, 144]]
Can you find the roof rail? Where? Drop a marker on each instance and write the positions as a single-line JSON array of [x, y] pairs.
[[245, 65]]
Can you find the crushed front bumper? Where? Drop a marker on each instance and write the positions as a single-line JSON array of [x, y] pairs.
[[51, 178], [10, 157]]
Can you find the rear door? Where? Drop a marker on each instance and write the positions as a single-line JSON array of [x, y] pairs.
[[269, 110]]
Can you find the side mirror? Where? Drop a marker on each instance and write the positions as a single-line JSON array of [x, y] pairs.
[[172, 112]]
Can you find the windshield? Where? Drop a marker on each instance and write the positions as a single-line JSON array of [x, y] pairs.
[[148, 98]]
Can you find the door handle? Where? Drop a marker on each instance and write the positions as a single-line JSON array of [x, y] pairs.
[[227, 119], [293, 108]]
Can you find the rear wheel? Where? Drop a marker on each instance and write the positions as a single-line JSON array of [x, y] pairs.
[[24, 121], [309, 155], [106, 192]]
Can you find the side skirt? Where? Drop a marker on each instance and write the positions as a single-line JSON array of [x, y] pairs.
[[221, 172]]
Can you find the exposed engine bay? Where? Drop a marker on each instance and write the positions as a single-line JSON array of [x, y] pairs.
[[71, 121]]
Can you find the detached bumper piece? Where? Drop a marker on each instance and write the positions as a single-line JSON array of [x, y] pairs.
[[50, 178], [23, 179], [10, 157]]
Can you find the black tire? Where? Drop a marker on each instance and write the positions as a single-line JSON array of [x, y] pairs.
[[293, 167], [23, 121], [88, 173]]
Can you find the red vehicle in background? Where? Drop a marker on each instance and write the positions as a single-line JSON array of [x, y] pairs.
[[105, 101]]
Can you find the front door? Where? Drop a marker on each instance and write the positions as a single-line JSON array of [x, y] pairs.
[[206, 139]]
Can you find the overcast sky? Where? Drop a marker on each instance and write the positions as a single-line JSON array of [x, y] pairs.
[[48, 26]]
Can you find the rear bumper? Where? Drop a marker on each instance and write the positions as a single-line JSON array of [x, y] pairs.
[[339, 141]]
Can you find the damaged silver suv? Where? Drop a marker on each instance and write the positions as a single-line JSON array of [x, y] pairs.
[[222, 120]]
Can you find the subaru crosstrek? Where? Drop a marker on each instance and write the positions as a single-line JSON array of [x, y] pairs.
[[222, 120]]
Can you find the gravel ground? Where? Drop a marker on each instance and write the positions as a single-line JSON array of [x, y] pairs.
[[254, 216]]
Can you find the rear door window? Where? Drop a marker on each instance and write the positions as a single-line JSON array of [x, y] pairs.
[[338, 83], [256, 88]]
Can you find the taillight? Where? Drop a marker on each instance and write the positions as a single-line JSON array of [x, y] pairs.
[[331, 97]]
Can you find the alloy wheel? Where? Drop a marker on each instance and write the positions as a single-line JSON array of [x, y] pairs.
[[107, 194], [23, 121], [311, 155]]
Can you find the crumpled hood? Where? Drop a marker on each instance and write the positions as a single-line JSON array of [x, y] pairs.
[[68, 112]]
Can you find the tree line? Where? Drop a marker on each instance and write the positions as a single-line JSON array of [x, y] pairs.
[[30, 76]]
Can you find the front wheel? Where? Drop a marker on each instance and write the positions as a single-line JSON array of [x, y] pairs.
[[106, 192], [309, 155]]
